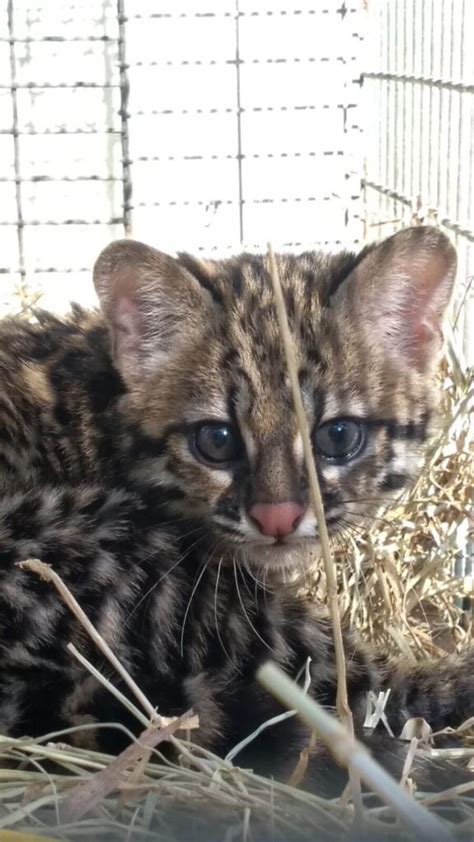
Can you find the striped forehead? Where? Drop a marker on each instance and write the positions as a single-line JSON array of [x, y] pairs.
[[262, 404]]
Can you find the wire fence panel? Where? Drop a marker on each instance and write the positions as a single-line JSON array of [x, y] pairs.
[[214, 125], [61, 172], [209, 126], [242, 123], [420, 105]]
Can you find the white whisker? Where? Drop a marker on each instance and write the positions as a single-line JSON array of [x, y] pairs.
[[188, 607], [245, 611]]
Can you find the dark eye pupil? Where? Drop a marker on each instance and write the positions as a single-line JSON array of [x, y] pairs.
[[338, 433], [342, 438], [220, 438], [216, 442]]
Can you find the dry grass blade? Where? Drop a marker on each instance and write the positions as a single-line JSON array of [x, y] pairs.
[[314, 489], [342, 702], [349, 752], [46, 572], [87, 795]]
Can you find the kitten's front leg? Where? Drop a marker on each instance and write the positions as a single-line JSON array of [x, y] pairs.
[[441, 691]]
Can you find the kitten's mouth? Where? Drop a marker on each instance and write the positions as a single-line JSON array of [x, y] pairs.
[[282, 554], [298, 551]]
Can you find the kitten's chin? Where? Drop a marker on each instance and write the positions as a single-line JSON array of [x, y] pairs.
[[297, 556]]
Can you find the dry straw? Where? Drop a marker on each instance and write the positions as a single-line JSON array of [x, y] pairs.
[[342, 703], [352, 754]]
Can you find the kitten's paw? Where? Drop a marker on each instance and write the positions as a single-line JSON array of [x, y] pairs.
[[440, 691]]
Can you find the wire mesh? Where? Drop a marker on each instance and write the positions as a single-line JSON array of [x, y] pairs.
[[247, 133], [214, 125], [63, 179], [209, 126], [420, 159]]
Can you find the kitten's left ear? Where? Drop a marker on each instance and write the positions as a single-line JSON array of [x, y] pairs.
[[399, 292]]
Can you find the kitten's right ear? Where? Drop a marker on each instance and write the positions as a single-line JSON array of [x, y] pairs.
[[151, 303]]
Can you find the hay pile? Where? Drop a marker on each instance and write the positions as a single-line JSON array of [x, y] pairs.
[[397, 585]]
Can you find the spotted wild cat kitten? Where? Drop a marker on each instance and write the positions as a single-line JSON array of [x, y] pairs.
[[151, 454]]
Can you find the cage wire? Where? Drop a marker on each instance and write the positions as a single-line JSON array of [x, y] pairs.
[[212, 125], [420, 129], [206, 126]]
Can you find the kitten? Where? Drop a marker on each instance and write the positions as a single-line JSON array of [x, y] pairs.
[[151, 454]]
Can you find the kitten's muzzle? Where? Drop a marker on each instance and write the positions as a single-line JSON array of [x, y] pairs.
[[277, 519]]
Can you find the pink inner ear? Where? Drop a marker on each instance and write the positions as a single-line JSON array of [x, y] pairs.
[[398, 292], [426, 297], [126, 328]]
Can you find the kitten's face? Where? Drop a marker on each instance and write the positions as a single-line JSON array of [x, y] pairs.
[[214, 403]]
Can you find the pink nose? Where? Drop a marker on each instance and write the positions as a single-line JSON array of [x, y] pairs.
[[277, 518]]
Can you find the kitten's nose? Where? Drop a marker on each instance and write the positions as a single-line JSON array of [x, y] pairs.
[[277, 519]]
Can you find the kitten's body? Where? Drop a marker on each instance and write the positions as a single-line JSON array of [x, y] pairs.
[[104, 477]]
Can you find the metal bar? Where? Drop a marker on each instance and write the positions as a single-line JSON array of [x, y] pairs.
[[229, 157], [461, 87], [28, 86], [421, 112], [262, 246], [440, 109], [155, 158], [432, 91], [213, 14], [471, 169], [124, 135], [386, 191], [47, 270], [16, 148], [455, 227], [415, 114], [460, 172], [230, 61], [450, 112], [39, 179], [389, 141], [261, 201], [380, 101], [458, 229], [394, 175], [35, 222], [5, 270], [250, 14], [52, 132], [253, 109], [57, 39], [198, 203], [239, 124], [403, 143]]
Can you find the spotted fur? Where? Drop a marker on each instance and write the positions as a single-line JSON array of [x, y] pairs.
[[100, 477]]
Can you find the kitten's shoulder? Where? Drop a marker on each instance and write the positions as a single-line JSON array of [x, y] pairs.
[[56, 374], [46, 335], [41, 358]]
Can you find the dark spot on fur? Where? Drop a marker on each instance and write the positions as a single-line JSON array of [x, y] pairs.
[[394, 481]]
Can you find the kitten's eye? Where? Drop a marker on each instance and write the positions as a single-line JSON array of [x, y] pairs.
[[217, 442], [341, 438]]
